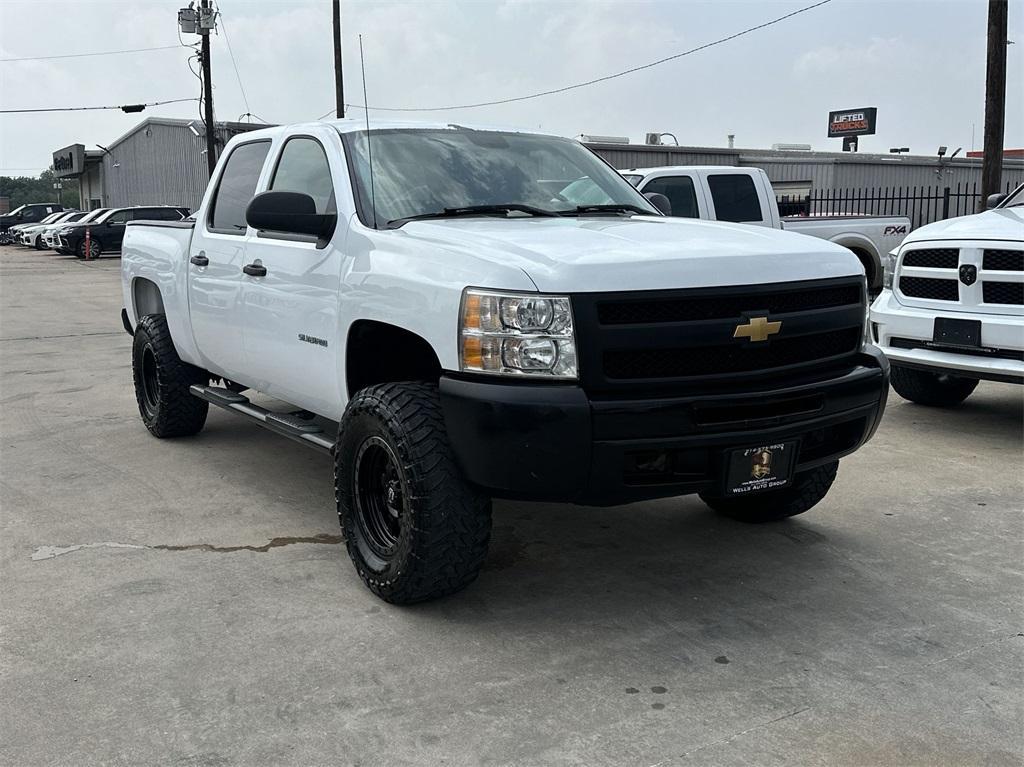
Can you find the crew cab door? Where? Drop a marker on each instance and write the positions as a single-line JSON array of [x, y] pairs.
[[216, 258], [741, 197], [683, 190], [290, 299]]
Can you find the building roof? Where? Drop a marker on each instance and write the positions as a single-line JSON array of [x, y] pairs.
[[180, 123]]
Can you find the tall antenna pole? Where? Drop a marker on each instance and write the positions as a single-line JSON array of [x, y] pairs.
[[339, 83], [369, 149], [995, 101], [211, 132]]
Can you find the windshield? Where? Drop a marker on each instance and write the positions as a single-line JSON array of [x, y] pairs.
[[93, 215], [51, 218], [17, 210], [106, 214], [1015, 199], [419, 172]]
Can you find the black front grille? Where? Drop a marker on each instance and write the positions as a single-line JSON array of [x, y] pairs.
[[936, 258], [1003, 260], [691, 309], [932, 289], [628, 364], [1002, 292]]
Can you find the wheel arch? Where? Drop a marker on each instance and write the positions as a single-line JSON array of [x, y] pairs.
[[146, 298], [379, 352], [866, 252]]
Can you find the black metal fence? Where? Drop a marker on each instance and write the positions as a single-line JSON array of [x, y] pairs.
[[921, 204]]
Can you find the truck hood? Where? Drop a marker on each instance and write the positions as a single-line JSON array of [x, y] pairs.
[[594, 254], [999, 224]]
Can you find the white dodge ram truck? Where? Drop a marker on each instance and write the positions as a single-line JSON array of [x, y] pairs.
[[952, 312], [451, 330], [745, 195]]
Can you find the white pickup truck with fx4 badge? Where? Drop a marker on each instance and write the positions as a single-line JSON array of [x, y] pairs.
[[446, 317]]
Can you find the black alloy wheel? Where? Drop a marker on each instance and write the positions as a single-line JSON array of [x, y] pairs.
[[379, 499]]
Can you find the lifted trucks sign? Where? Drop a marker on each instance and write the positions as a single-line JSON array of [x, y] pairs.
[[852, 122]]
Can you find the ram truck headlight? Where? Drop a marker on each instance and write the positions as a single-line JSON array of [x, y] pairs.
[[517, 334], [889, 267]]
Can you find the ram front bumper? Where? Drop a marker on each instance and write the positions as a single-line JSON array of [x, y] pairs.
[[555, 443], [905, 335]]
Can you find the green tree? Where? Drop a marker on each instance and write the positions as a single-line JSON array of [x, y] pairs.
[[26, 189]]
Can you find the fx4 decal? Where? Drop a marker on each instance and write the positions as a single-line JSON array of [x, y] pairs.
[[891, 231]]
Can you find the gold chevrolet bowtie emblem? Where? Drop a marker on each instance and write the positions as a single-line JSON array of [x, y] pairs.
[[757, 329]]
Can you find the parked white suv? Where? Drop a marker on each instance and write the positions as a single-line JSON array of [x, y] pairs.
[[952, 311]]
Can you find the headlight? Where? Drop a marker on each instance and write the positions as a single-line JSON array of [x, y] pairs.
[[65, 231], [889, 268], [516, 334]]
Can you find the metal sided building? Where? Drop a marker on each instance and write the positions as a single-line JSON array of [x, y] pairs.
[[802, 173], [161, 161]]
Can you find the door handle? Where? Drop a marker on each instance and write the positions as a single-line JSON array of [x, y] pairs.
[[255, 270], [200, 259]]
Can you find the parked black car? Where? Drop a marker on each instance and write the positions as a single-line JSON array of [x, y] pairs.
[[32, 213], [107, 231]]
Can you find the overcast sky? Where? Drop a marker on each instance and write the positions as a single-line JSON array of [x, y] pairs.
[[921, 63]]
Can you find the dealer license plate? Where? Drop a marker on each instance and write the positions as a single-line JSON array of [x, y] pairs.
[[761, 467]]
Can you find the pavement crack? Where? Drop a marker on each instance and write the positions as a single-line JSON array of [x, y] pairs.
[[65, 335], [51, 552]]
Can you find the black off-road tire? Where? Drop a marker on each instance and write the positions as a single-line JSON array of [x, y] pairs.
[[436, 528], [933, 389], [162, 380], [807, 490]]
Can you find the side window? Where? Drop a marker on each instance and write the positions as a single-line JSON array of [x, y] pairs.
[[735, 197], [303, 168], [680, 192], [237, 187], [120, 217]]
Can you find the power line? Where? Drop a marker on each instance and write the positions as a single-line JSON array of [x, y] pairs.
[[238, 77], [83, 55], [596, 80], [124, 107]]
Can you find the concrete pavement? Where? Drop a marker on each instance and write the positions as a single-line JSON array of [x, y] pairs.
[[186, 602]]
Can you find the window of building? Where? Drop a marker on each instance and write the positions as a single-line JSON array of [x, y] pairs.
[[735, 197], [237, 187]]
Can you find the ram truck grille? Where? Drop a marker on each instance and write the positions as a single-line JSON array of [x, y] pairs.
[[684, 340], [971, 278]]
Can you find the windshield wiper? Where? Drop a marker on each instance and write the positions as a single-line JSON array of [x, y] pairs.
[[612, 208], [473, 210]]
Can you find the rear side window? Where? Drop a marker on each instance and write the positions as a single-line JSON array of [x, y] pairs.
[[680, 192], [237, 187], [735, 197], [303, 168]]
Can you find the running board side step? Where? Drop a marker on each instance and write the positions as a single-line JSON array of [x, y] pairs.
[[308, 433]]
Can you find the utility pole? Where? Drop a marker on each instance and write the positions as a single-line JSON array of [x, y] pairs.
[[995, 101], [205, 12], [339, 84]]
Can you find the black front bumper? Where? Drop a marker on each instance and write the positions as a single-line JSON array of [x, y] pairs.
[[555, 443]]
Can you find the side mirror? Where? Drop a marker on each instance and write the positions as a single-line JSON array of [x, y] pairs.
[[993, 200], [659, 201], [291, 213]]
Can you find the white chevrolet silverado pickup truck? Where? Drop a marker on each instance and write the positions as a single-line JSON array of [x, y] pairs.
[[952, 312], [745, 195], [452, 330]]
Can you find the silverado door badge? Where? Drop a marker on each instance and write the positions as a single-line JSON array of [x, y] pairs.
[[757, 329]]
